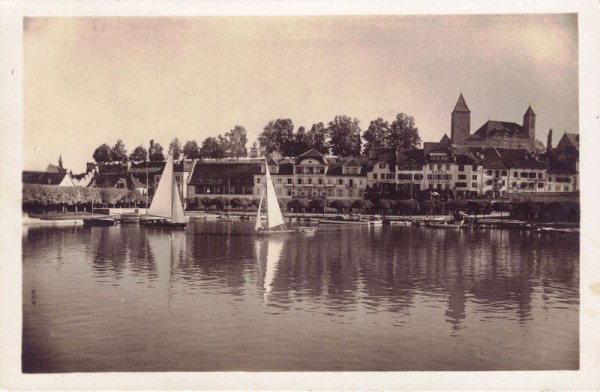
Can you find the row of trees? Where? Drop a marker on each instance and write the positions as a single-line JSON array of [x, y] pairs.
[[342, 136], [39, 197], [231, 145], [526, 211]]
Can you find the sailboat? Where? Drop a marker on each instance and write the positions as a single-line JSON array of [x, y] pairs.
[[275, 223], [166, 209]]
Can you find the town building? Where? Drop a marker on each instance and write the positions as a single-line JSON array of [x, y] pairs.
[[46, 178], [492, 133]]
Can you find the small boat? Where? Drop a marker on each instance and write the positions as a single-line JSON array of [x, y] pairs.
[[166, 210], [308, 230], [100, 221], [130, 218], [225, 218], [275, 223], [444, 225], [352, 220]]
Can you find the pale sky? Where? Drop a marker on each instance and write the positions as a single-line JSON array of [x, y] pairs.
[[89, 81]]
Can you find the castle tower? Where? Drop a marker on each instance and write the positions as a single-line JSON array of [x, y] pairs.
[[460, 126], [529, 126]]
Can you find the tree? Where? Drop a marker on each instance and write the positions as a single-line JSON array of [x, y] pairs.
[[278, 135], [344, 134], [236, 142], [539, 147], [155, 152], [175, 148], [103, 154], [403, 133], [376, 135], [191, 150], [501, 206], [318, 138], [211, 148], [317, 205], [301, 142], [254, 150], [118, 152], [139, 154]]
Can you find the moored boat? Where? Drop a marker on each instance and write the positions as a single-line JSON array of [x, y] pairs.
[[99, 221], [352, 220], [444, 225]]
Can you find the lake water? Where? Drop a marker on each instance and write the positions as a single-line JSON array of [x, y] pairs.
[[216, 297]]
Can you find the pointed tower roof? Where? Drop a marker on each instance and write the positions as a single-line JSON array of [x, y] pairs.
[[461, 105], [529, 112], [445, 139]]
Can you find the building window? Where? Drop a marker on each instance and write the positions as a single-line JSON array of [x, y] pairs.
[[523, 174], [490, 172], [310, 180], [540, 184], [504, 173], [279, 180], [329, 192], [540, 175], [320, 181], [340, 181], [475, 167], [289, 180], [382, 165], [448, 167], [474, 177], [299, 181], [374, 176], [462, 176], [258, 180], [439, 167], [461, 167], [418, 177], [473, 185], [350, 192], [340, 193], [431, 167], [461, 184]]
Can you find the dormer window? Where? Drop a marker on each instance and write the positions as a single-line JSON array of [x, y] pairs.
[[382, 165]]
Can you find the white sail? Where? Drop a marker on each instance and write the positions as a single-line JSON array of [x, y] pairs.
[[177, 215], [258, 224], [166, 202], [274, 217], [163, 197]]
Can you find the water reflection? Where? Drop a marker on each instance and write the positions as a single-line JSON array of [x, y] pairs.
[[219, 277]]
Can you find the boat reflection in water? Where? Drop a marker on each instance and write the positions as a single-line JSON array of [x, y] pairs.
[[218, 297], [268, 253]]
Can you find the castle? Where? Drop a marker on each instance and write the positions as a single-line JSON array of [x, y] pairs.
[[492, 133]]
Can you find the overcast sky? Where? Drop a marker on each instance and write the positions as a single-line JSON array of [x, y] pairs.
[[90, 81]]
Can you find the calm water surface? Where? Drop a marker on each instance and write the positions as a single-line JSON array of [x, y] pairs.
[[216, 297]]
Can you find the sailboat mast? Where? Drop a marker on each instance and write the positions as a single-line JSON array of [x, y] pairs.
[[147, 189]]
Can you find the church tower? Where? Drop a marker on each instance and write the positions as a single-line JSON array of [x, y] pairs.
[[460, 127], [60, 162], [529, 126]]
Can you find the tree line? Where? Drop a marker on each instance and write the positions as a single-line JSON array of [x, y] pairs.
[[342, 136]]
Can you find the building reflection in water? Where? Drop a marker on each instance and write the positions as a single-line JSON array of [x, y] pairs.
[[382, 270]]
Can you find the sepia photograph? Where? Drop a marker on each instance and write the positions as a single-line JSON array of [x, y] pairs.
[[301, 193]]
